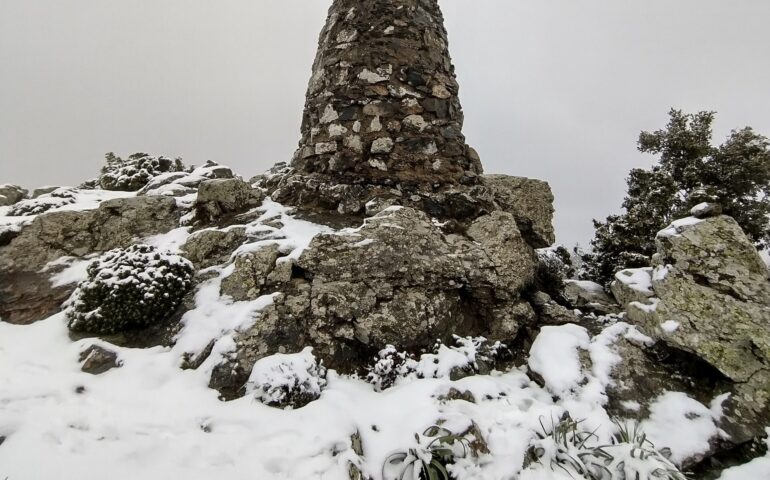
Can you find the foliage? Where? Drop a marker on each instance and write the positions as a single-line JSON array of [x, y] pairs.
[[136, 171], [554, 265], [436, 448], [128, 288], [577, 452], [736, 175]]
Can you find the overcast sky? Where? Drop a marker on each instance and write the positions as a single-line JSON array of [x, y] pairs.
[[552, 89]]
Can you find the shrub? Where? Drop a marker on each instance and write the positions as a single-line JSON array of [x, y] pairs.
[[469, 356], [428, 460], [577, 452], [35, 206], [136, 171], [554, 265], [287, 380], [128, 288]]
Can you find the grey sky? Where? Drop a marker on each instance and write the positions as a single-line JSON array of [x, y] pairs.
[[553, 89]]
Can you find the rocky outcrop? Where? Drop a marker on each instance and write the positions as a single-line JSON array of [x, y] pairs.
[[399, 279], [712, 303], [530, 201], [10, 194], [25, 292]]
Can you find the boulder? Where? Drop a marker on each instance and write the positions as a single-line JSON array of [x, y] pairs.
[[712, 301], [97, 360], [43, 191], [513, 261], [590, 297], [529, 201], [717, 254], [225, 196], [632, 285], [251, 270], [212, 246], [122, 221], [10, 194], [551, 313]]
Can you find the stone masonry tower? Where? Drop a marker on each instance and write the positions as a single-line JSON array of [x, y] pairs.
[[382, 106]]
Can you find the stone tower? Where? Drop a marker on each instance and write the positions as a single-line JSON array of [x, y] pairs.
[[382, 106]]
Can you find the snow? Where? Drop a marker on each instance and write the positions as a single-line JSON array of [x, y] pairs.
[[756, 469], [75, 200], [670, 326], [293, 235], [682, 424], [678, 226], [587, 285], [631, 405], [150, 419], [661, 272], [700, 208], [171, 241], [647, 307], [215, 316], [554, 355], [75, 270], [639, 279]]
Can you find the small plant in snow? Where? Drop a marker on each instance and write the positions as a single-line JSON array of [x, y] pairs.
[[390, 366], [35, 206], [469, 355], [128, 288], [630, 456], [287, 380], [436, 448], [136, 171]]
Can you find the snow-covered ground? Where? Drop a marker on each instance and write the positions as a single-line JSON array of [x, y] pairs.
[[150, 419]]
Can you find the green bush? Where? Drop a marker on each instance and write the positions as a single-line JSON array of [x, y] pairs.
[[128, 289]]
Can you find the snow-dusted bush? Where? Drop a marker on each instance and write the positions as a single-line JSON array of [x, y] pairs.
[[35, 206], [554, 265], [136, 171], [467, 356], [568, 448], [129, 288], [287, 380]]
